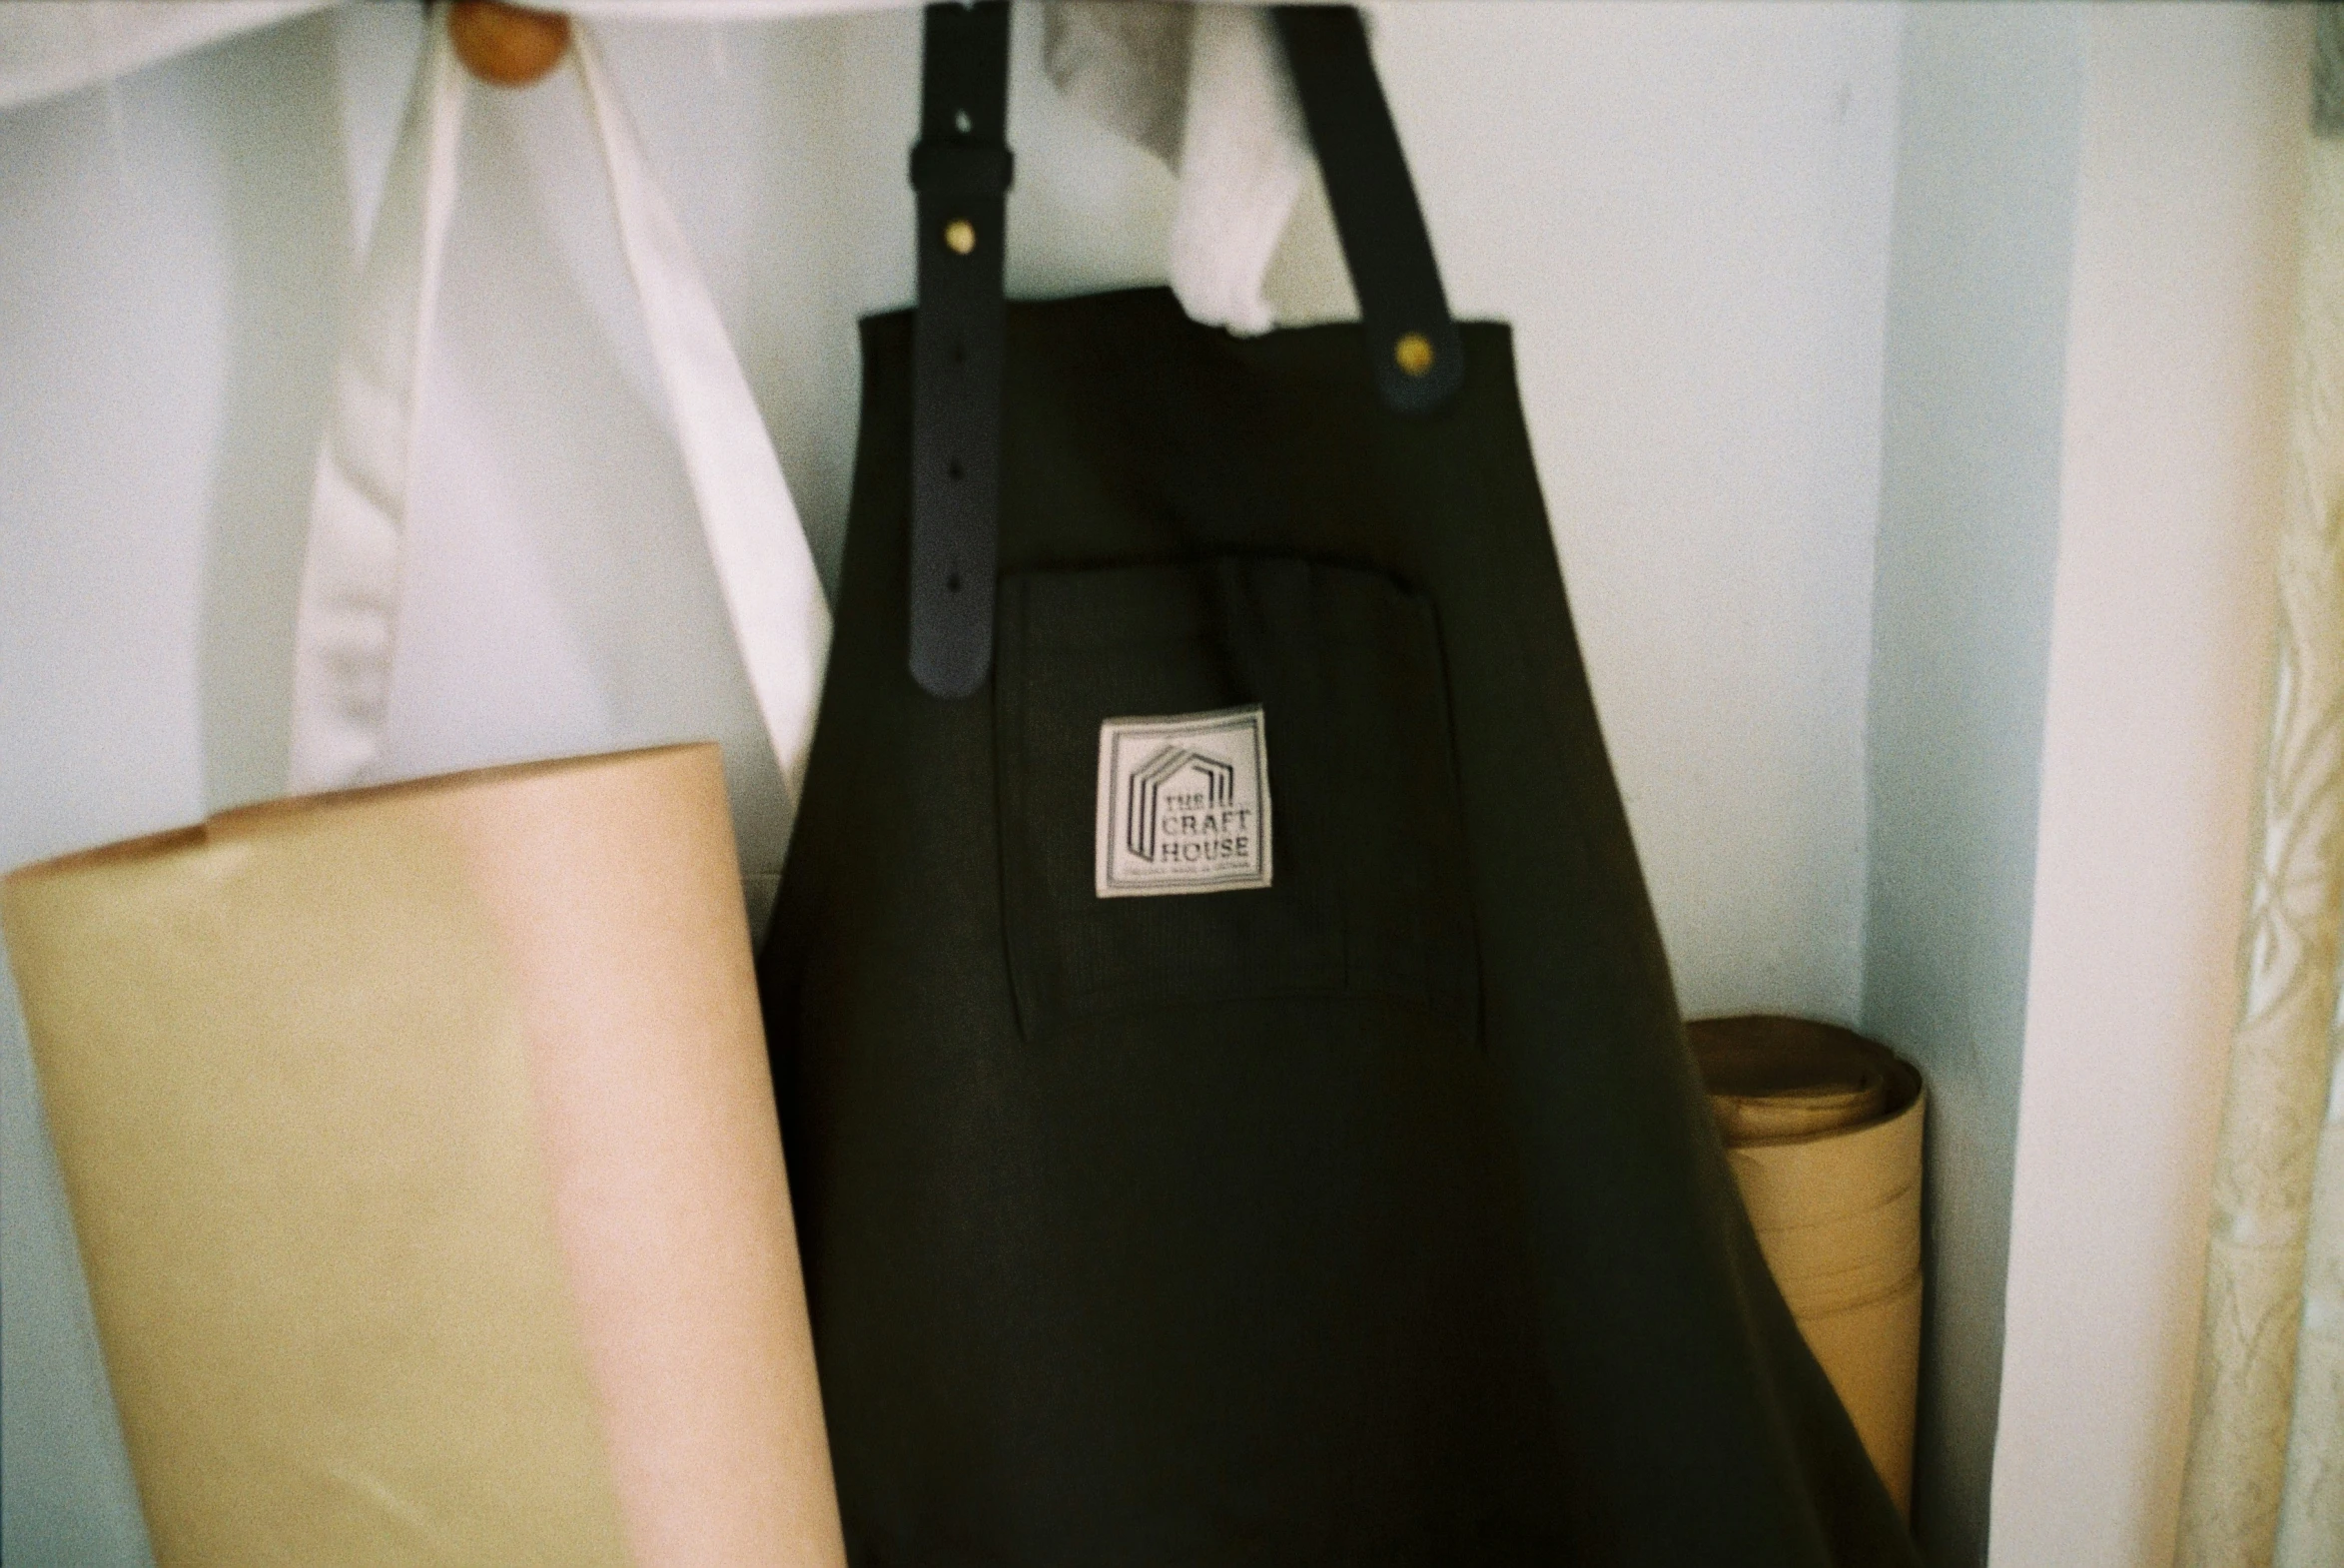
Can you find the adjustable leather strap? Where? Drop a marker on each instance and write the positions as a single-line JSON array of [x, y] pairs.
[[961, 170], [1418, 357]]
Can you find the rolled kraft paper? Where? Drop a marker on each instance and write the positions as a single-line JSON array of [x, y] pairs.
[[1823, 1131], [1871, 1352], [1771, 1077], [422, 1157], [1838, 1213]]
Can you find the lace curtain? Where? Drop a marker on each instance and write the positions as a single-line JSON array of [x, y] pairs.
[[2265, 1480]]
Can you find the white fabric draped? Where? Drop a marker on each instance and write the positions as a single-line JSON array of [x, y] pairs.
[[358, 514], [1200, 86], [56, 46], [48, 47]]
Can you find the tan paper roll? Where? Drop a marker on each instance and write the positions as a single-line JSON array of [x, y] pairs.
[[422, 1157], [1823, 1131]]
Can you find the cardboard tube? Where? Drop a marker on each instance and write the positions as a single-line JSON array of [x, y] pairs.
[[1823, 1131], [423, 1163]]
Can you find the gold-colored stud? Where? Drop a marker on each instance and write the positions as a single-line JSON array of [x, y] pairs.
[[960, 237], [1413, 352]]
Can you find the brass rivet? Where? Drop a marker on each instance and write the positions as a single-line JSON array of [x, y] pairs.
[[960, 237], [1414, 352]]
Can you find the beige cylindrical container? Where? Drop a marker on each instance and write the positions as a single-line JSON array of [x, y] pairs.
[[423, 1155], [1823, 1132]]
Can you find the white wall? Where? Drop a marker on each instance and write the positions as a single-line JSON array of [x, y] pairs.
[[2088, 302], [1683, 211], [1969, 517], [2170, 489]]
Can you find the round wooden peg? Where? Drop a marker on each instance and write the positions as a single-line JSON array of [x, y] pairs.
[[506, 45]]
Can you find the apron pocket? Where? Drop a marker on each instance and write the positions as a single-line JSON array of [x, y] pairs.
[[1318, 850]]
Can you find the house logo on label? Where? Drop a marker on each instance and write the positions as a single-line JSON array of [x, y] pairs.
[[1213, 788], [1183, 804]]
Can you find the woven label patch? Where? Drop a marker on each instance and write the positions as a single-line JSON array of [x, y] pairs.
[[1183, 804]]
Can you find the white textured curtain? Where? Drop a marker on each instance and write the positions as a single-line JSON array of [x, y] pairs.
[[2265, 1482]]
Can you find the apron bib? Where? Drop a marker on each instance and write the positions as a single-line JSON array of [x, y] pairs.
[[1236, 1104]]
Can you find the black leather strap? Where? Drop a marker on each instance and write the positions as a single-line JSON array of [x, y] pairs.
[[1419, 359], [961, 170]]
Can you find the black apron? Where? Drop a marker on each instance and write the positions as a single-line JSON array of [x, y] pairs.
[[1373, 1216]]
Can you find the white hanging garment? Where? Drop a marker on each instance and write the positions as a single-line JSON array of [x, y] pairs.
[[351, 579], [51, 49], [1202, 86]]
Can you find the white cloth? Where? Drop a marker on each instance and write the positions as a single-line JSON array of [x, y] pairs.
[[349, 606], [350, 581], [49, 47], [1200, 86]]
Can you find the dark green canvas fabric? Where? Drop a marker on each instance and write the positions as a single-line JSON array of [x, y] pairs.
[[1374, 1216]]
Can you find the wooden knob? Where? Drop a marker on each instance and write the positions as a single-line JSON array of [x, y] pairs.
[[506, 45]]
